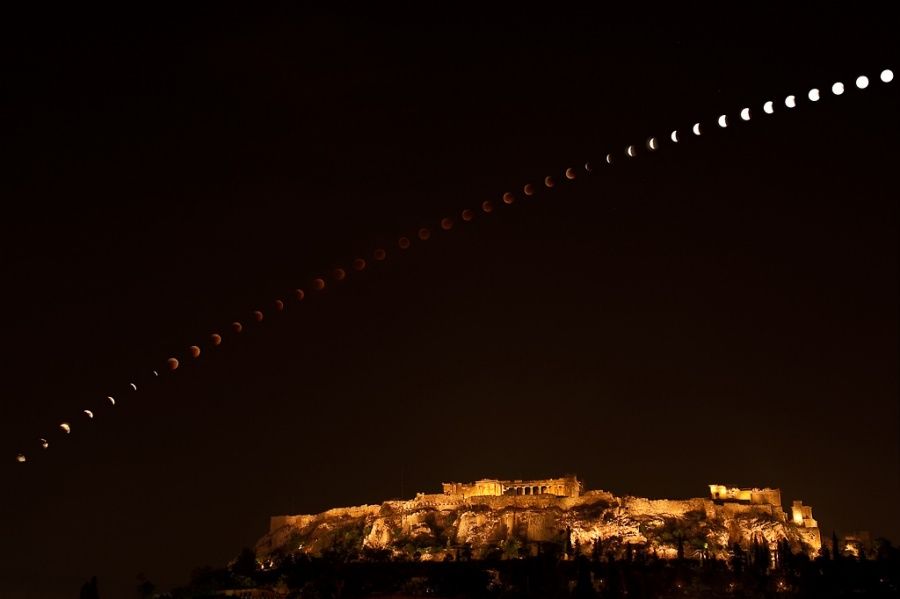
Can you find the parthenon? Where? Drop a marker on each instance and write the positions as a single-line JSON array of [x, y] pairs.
[[566, 486]]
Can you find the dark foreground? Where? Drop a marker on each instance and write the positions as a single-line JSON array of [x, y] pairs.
[[546, 576]]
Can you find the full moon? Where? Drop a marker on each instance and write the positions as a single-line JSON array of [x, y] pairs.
[[837, 89], [195, 351], [723, 121], [814, 95], [862, 82], [745, 114], [769, 107], [790, 101], [172, 363], [696, 129], [887, 76], [674, 136]]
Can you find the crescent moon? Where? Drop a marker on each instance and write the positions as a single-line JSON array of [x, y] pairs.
[[508, 198], [66, 428], [790, 101], [548, 181], [133, 386], [195, 351], [21, 458], [237, 327], [172, 363], [155, 373], [651, 143], [279, 305], [111, 399], [696, 129], [88, 413], [723, 121], [609, 159], [674, 136], [44, 443], [528, 189], [813, 95], [630, 151], [570, 173], [769, 107], [258, 315], [745, 114]]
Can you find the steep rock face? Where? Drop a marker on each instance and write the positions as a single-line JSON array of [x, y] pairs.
[[449, 527]]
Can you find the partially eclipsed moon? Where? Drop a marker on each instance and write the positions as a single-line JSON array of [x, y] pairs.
[[172, 363], [723, 121], [88, 413], [446, 223], [588, 167], [257, 315], [319, 283], [745, 114], [769, 107], [424, 234], [359, 264], [651, 143], [528, 189], [279, 305], [674, 136], [155, 373], [195, 351], [548, 181], [44, 443], [300, 294], [609, 159], [790, 101], [237, 327], [814, 95], [379, 254], [630, 151], [696, 129], [508, 198], [65, 427], [21, 458], [468, 214], [216, 339], [570, 173], [339, 274], [112, 400], [487, 206], [837, 89], [133, 386]]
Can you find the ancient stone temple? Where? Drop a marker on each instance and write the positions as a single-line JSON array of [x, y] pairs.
[[567, 486]]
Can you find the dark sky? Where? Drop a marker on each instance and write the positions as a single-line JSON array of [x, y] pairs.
[[723, 310]]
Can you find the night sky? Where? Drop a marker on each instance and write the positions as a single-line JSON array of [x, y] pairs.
[[721, 310]]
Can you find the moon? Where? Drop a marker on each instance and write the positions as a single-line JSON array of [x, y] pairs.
[[216, 339], [630, 151], [133, 386], [424, 234], [21, 458], [769, 107], [487, 206], [723, 121], [814, 95], [319, 283], [588, 167], [570, 173], [155, 373], [887, 76], [44, 443], [745, 114], [257, 315], [446, 223], [609, 159], [862, 82], [468, 214], [300, 294], [88, 413], [279, 305], [528, 189], [237, 327], [508, 198], [790, 101], [696, 129], [837, 89], [112, 400], [379, 254], [195, 351], [65, 427], [548, 181], [651, 143], [674, 136], [339, 274], [359, 264], [172, 363]]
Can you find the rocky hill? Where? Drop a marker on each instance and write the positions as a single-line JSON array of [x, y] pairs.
[[453, 526]]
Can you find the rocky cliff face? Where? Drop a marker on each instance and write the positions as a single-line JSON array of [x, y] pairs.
[[438, 527]]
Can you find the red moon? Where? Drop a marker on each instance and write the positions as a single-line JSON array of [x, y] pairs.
[[237, 327], [359, 264], [380, 254], [570, 173], [508, 198], [424, 234], [528, 189], [258, 315], [548, 181], [340, 274], [468, 214], [172, 363], [300, 295], [403, 242], [446, 224], [487, 206], [215, 338], [319, 284], [195, 351], [279, 305]]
